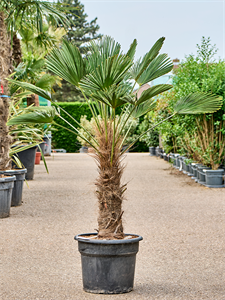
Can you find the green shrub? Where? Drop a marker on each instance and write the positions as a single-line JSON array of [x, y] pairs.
[[62, 138]]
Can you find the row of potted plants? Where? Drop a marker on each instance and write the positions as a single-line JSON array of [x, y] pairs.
[[197, 171]]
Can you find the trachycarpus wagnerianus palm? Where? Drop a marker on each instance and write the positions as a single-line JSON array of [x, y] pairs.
[[107, 79]]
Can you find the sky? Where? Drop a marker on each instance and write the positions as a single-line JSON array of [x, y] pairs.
[[183, 23]]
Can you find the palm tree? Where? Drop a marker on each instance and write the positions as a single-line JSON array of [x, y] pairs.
[[14, 14], [107, 78]]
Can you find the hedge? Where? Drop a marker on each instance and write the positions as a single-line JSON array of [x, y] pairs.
[[64, 139]]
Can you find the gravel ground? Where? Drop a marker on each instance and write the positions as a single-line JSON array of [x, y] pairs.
[[182, 255]]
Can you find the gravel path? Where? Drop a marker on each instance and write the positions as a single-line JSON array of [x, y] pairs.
[[182, 255]]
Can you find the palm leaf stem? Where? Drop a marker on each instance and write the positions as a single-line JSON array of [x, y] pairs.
[[105, 121], [74, 121], [128, 130], [124, 123], [146, 132], [43, 158], [92, 111], [114, 133], [121, 116], [76, 133]]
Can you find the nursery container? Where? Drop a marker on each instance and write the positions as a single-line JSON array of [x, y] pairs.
[[214, 178], [17, 191], [158, 151], [201, 174], [194, 169], [47, 150], [200, 167], [108, 266], [152, 151], [6, 186], [27, 158], [37, 158], [184, 167], [83, 149], [190, 170]]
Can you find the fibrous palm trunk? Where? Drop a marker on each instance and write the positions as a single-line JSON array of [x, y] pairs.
[[5, 68], [16, 50], [110, 191]]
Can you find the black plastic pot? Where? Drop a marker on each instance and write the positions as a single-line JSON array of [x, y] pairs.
[[158, 151], [108, 265], [27, 158], [42, 146], [201, 174], [185, 167], [84, 149], [195, 171], [177, 161], [200, 167], [6, 186], [18, 185], [48, 143], [190, 170], [214, 178], [152, 151]]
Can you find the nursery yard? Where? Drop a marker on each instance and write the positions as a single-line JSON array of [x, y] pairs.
[[182, 223]]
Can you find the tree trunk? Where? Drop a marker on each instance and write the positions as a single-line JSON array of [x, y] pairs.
[[16, 53], [109, 188], [5, 69], [33, 99]]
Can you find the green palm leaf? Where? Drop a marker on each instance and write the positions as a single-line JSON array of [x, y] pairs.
[[159, 66], [142, 64], [67, 63], [153, 91], [198, 103], [132, 49], [34, 115], [144, 108], [32, 88]]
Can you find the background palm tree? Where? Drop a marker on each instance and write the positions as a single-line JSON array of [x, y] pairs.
[[15, 14], [108, 76]]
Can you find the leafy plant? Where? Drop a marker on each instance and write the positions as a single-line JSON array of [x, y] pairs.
[[105, 76], [151, 138]]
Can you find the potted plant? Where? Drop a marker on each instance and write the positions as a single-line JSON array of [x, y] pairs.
[[151, 138], [105, 76], [208, 148]]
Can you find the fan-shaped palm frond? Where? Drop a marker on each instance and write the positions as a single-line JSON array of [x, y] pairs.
[[33, 115], [159, 66], [32, 88], [198, 103], [143, 63], [152, 92], [144, 108], [31, 13], [131, 52], [67, 63]]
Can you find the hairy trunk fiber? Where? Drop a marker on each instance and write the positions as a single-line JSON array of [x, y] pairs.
[[33, 99], [109, 188], [5, 66], [16, 53]]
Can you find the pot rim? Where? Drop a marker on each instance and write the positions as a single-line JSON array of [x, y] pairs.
[[8, 179], [15, 171], [214, 171], [108, 242]]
